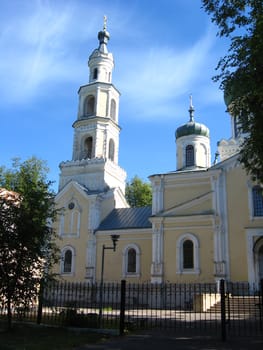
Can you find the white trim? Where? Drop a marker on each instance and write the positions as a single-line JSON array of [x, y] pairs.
[[189, 204], [125, 272], [74, 230], [252, 234], [179, 254], [125, 232], [251, 202], [63, 251], [224, 224]]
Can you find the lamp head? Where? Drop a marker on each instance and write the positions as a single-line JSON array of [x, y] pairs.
[[115, 239]]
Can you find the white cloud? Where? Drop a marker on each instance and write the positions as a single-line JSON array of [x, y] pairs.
[[155, 78], [44, 46], [36, 51]]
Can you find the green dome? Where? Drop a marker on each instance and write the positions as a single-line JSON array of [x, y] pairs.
[[192, 128]]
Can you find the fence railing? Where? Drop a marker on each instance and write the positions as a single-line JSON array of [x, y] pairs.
[[228, 309]]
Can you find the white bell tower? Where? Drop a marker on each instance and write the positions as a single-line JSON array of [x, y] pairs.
[[94, 161]]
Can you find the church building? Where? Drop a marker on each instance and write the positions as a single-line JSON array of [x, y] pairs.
[[205, 222]]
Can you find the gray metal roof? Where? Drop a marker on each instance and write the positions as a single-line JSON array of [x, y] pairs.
[[127, 218]]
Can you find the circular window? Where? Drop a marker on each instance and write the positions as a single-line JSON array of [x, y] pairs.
[[71, 205]]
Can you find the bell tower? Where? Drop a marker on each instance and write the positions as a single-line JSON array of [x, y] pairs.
[[94, 161]]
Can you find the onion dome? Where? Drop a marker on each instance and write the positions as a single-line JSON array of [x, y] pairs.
[[104, 37], [192, 128]]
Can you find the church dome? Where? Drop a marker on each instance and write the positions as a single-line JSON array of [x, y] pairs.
[[192, 128]]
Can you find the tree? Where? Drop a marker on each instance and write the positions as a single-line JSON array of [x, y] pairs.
[[138, 193], [241, 72], [27, 241]]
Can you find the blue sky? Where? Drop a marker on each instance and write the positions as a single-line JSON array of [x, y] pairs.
[[163, 51]]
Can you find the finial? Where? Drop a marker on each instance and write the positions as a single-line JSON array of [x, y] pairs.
[[104, 23], [103, 36], [217, 154], [191, 109]]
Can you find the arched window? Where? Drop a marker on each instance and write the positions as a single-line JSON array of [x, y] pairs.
[[131, 268], [89, 106], [131, 261], [113, 109], [189, 155], [67, 263], [111, 149], [95, 74], [70, 217], [257, 201], [187, 254], [67, 260], [88, 145]]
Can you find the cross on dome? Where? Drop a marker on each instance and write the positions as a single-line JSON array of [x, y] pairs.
[[191, 109]]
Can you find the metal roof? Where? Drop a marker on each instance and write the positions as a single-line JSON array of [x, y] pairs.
[[127, 218]]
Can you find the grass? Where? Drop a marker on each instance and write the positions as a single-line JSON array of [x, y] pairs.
[[33, 337]]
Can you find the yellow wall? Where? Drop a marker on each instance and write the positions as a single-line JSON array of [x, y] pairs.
[[78, 242], [183, 192], [205, 238], [114, 260], [238, 220]]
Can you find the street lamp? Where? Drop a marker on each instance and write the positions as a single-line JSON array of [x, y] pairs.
[[114, 239]]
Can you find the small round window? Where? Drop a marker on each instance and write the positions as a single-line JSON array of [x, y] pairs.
[[71, 205]]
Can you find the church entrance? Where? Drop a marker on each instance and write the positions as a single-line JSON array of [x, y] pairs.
[[258, 260]]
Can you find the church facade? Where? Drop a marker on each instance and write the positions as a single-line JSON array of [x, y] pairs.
[[205, 222]]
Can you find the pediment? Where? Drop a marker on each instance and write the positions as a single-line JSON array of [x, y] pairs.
[[72, 187], [200, 205]]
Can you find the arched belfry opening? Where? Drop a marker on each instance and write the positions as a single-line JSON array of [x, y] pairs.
[[89, 105], [111, 150], [95, 74], [88, 147], [113, 109]]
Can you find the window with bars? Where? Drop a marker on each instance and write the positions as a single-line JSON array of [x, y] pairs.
[[189, 155], [188, 254], [67, 261], [131, 266], [257, 201], [131, 261]]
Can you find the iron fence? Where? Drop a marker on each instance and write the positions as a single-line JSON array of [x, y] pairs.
[[228, 310]]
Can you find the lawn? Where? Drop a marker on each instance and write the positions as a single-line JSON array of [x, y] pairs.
[[33, 337]]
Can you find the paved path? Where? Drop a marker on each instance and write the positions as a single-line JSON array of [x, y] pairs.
[[168, 341]]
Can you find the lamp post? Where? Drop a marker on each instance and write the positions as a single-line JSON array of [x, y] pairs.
[[114, 239]]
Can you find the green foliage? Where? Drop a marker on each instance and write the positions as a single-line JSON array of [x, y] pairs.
[[27, 241], [138, 193], [241, 72]]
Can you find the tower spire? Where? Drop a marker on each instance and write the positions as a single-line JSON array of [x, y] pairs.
[[191, 109], [104, 36], [105, 23]]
